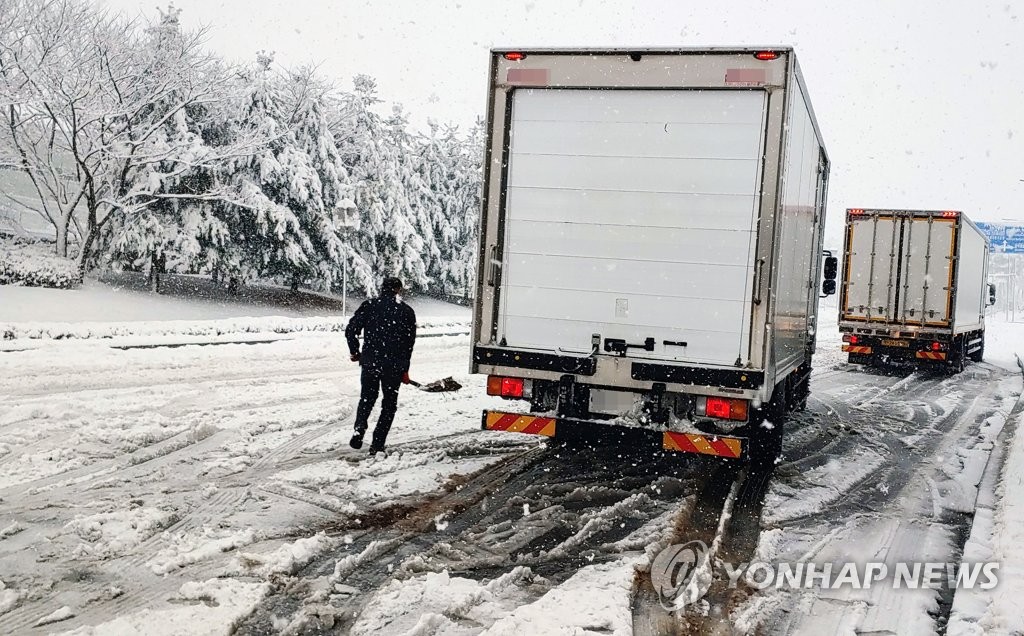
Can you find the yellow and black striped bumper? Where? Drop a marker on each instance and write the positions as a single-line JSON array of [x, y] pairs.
[[730, 447], [518, 423], [856, 349]]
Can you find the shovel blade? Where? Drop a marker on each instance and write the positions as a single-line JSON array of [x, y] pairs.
[[444, 385]]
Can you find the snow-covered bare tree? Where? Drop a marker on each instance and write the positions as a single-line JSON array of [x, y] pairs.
[[98, 108]]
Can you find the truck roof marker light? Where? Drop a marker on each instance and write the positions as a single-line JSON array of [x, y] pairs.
[[856, 210], [514, 56], [950, 214], [767, 55]]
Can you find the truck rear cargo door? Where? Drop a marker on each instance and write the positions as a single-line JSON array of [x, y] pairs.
[[630, 214], [871, 269], [927, 270]]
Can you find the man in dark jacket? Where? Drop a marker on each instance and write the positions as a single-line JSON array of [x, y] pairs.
[[388, 326]]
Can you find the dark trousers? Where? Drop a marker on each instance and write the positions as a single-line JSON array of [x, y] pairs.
[[373, 381]]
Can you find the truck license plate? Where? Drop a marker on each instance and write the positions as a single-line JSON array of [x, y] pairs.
[[895, 343]]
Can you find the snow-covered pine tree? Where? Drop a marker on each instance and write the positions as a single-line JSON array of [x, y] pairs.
[[325, 206], [386, 238], [274, 185]]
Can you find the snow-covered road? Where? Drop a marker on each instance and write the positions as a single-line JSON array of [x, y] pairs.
[[204, 489], [127, 474]]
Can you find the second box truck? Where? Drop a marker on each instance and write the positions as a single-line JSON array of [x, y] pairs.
[[915, 287], [650, 245]]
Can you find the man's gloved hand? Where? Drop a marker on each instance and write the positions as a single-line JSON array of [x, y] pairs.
[[354, 357], [405, 378]]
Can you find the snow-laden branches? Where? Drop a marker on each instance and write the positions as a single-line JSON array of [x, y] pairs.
[[150, 152]]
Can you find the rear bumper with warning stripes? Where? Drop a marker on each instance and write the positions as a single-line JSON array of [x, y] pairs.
[[517, 423], [931, 355], [856, 349], [701, 443], [730, 447]]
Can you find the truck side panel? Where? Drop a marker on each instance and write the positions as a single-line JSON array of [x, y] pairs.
[[803, 182], [631, 214], [971, 287]]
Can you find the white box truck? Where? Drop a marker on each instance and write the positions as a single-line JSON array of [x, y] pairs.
[[650, 245], [914, 287]]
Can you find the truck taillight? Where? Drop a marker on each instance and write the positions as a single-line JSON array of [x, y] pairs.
[[850, 338], [937, 346], [508, 387], [722, 408]]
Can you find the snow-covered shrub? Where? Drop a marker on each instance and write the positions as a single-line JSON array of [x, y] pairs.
[[35, 265]]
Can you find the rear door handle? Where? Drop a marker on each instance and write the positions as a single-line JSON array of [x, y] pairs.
[[758, 275], [492, 277]]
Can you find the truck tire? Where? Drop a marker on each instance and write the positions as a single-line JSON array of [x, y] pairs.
[[958, 356], [801, 391], [979, 355]]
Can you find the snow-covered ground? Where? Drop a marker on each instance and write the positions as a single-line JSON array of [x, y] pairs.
[[128, 478], [201, 489], [125, 298]]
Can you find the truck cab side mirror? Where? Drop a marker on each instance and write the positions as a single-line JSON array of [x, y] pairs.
[[991, 294], [828, 285]]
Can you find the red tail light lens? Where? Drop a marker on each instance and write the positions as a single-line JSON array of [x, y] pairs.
[[506, 387], [514, 56], [766, 55], [718, 407], [726, 409], [851, 338], [936, 346], [511, 387]]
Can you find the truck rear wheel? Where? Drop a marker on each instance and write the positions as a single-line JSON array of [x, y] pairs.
[[766, 428], [958, 355]]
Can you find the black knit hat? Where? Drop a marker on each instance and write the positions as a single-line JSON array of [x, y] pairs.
[[391, 285]]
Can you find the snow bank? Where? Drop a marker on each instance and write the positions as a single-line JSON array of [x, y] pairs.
[[197, 546], [287, 559], [200, 328], [596, 599], [1004, 343], [1004, 615], [114, 533], [35, 265], [436, 600], [8, 598], [204, 608]]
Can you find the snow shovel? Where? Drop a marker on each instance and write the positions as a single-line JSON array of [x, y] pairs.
[[444, 385]]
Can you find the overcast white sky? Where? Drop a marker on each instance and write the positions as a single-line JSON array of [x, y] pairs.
[[920, 101]]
